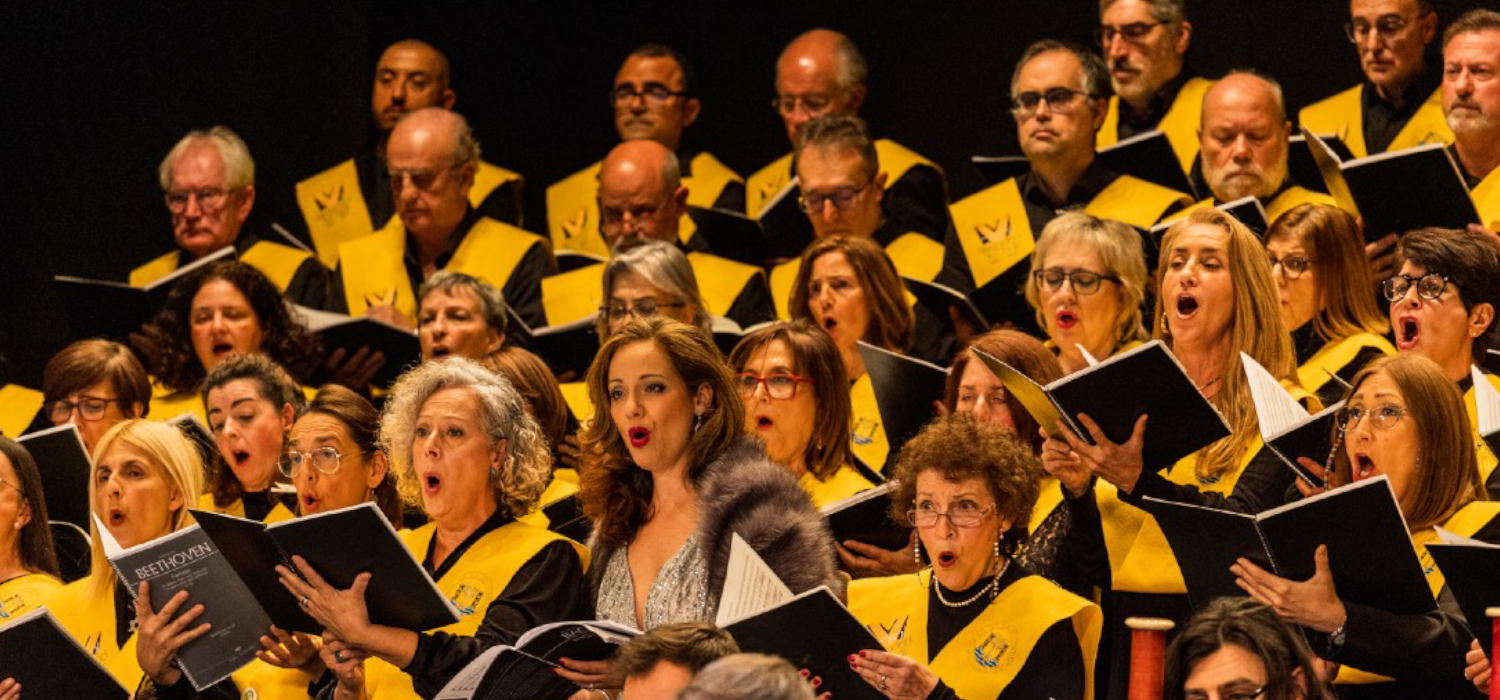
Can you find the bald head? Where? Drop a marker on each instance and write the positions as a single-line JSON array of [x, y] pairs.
[[410, 75], [432, 156], [1243, 137], [820, 73], [640, 192]]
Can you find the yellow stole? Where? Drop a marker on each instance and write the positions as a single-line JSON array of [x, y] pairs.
[[783, 281], [868, 436], [277, 262], [1180, 123], [573, 204], [894, 158], [1050, 497], [1136, 202], [1487, 200], [335, 211], [1334, 356], [472, 583], [490, 252], [18, 406], [1487, 459], [279, 512], [576, 394], [166, 404], [1467, 521], [993, 230], [569, 296], [21, 594], [987, 654], [913, 254], [86, 609], [1288, 199], [564, 484], [840, 485], [720, 280], [1342, 115]]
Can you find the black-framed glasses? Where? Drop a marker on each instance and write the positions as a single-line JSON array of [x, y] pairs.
[[778, 386], [1292, 266], [786, 105], [961, 515], [1058, 99], [1231, 695], [1083, 282], [1133, 32], [1386, 27], [209, 199], [326, 460], [645, 308], [654, 93], [843, 198], [89, 407], [1429, 286], [17, 487], [1383, 417]]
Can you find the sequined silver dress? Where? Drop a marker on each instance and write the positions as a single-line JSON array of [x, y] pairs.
[[679, 593]]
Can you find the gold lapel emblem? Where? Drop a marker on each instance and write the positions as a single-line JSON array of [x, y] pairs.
[[467, 599], [575, 226], [331, 204], [988, 653]]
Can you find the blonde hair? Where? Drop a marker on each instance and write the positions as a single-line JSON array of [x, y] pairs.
[[1345, 305], [1256, 330], [1119, 249], [168, 449], [502, 413]]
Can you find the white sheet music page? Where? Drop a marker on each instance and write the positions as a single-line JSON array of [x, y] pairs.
[[750, 585], [1486, 402], [1275, 409]]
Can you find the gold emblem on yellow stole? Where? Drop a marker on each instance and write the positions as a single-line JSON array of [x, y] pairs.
[[891, 636], [1430, 137], [467, 600], [331, 204], [577, 224], [864, 430], [988, 653], [771, 187], [10, 606], [994, 240]]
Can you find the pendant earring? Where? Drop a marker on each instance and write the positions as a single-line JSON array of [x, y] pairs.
[[1165, 330], [697, 421], [917, 550]]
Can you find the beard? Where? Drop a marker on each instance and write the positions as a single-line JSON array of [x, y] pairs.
[[1470, 119], [1248, 180]]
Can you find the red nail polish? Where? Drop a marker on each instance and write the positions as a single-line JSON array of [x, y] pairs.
[[851, 659], [864, 654]]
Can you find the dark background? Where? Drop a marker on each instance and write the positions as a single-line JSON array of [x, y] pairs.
[[95, 95]]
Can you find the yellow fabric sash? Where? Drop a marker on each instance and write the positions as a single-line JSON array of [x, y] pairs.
[[279, 512], [760, 187], [840, 485], [720, 280], [86, 609], [1487, 200], [564, 484], [1292, 197], [783, 279], [983, 658], [1136, 202], [490, 252], [277, 262], [569, 296], [18, 406], [916, 256], [993, 230], [868, 436], [1334, 356], [1180, 123], [21, 594], [155, 270], [573, 204], [1487, 459], [1342, 115], [576, 394]]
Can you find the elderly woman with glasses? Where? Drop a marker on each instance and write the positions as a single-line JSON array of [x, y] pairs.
[[462, 445], [1404, 421], [1324, 284], [1088, 277], [971, 625], [649, 279]]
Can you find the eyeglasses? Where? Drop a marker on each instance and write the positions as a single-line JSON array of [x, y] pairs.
[[962, 515], [423, 180], [209, 199], [655, 94], [614, 216], [89, 407], [645, 308], [778, 386], [1133, 32], [3, 482], [1058, 99], [1429, 286], [812, 104], [843, 198], [1083, 282], [326, 460], [1387, 27], [1232, 695], [1292, 266], [1383, 417]]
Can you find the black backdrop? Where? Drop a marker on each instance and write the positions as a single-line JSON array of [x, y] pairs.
[[95, 95]]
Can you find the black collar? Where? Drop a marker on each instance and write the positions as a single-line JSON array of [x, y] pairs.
[[500, 518], [471, 217], [1095, 178], [1135, 122]]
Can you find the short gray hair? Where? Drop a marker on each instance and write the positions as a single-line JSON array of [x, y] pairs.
[[502, 412], [239, 167], [1095, 73], [843, 133], [491, 299], [748, 677], [666, 268], [1164, 11]]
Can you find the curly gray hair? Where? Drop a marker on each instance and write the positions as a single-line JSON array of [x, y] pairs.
[[502, 412]]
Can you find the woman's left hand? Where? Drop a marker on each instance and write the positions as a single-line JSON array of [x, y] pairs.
[[868, 560], [1120, 464], [293, 650], [895, 676], [590, 675], [342, 612], [1313, 603], [158, 635]]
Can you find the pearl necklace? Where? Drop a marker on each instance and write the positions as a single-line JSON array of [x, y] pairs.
[[992, 589]]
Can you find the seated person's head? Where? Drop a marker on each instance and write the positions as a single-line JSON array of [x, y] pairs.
[[410, 75], [1471, 46], [460, 315], [1088, 279], [839, 175], [748, 677], [94, 384], [821, 72], [641, 196], [146, 476], [1059, 96], [653, 96], [1144, 42], [1444, 299], [224, 310], [849, 288], [251, 403], [648, 279], [796, 396], [1391, 37], [657, 665], [1321, 274], [1405, 420], [538, 387], [209, 182], [333, 456], [27, 541], [1243, 137], [974, 389], [432, 157], [1236, 647]]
